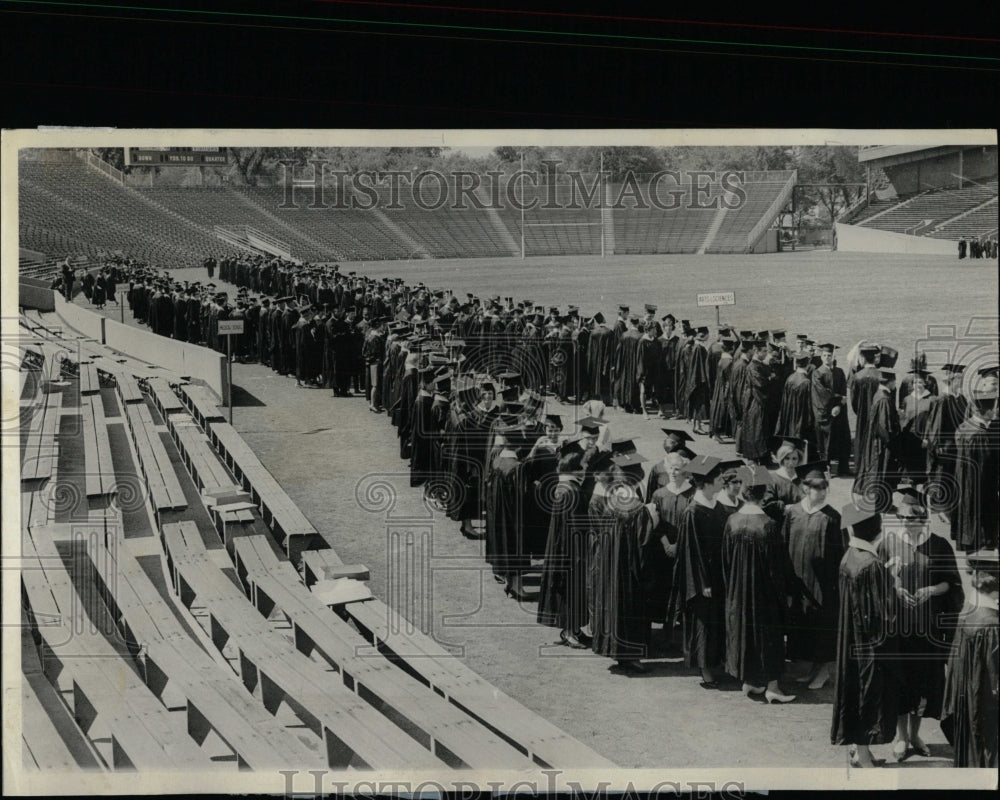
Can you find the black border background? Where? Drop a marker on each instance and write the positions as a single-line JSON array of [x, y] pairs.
[[108, 67]]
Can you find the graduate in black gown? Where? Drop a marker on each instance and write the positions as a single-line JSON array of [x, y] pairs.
[[648, 365], [784, 487], [969, 712], [877, 464], [929, 594], [674, 439], [670, 500], [948, 411], [601, 358], [866, 685], [975, 520], [755, 433], [402, 408], [562, 597], [698, 591], [504, 506], [623, 531], [795, 417], [721, 421], [627, 368], [829, 409], [697, 382], [863, 384], [422, 428], [914, 419], [758, 578], [816, 544]]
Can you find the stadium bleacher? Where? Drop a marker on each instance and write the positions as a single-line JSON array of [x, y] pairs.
[[928, 211]]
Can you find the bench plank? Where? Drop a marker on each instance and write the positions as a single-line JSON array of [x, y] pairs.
[[164, 399]]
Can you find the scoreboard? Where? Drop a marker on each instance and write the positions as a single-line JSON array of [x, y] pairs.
[[176, 156]]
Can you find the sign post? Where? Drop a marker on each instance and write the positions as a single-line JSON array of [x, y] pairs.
[[230, 328], [717, 299]]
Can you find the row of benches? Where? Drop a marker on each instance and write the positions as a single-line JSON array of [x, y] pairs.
[[354, 733], [164, 487], [127, 724]]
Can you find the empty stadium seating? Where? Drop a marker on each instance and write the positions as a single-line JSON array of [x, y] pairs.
[[69, 208], [924, 213], [980, 222]]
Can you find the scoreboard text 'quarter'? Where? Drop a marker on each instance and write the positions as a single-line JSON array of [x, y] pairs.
[[717, 299]]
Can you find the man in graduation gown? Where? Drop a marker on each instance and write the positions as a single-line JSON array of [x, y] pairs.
[[600, 359], [948, 411], [795, 417], [737, 386], [755, 435], [697, 383], [669, 347], [914, 417], [863, 385], [681, 369], [877, 467], [969, 713], [865, 688], [627, 368], [504, 547], [422, 428], [975, 520], [580, 343], [402, 406], [829, 410], [721, 421]]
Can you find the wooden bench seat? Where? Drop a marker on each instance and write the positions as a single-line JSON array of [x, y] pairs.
[[291, 528], [41, 448], [164, 399], [89, 379], [127, 388], [174, 663], [413, 705], [161, 479], [202, 405], [108, 699], [44, 748], [547, 745], [354, 732], [100, 469]]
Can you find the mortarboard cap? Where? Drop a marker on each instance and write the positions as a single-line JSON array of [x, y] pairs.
[[868, 347], [731, 465], [650, 308], [703, 466], [570, 446], [622, 446], [754, 476], [679, 435], [887, 357], [828, 347], [990, 370], [598, 318], [886, 375], [628, 459], [792, 441], [954, 369], [554, 419], [851, 516], [702, 330], [623, 309], [778, 334], [814, 469], [589, 424], [601, 461]]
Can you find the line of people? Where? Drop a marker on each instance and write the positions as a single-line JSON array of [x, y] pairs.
[[743, 566]]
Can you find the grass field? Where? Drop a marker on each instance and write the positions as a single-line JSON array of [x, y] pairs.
[[837, 297]]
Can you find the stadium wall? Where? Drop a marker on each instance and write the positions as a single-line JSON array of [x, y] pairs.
[[855, 239], [942, 172], [31, 295], [190, 360]]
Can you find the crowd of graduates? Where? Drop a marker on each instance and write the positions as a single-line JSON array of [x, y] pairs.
[[740, 562], [983, 247]]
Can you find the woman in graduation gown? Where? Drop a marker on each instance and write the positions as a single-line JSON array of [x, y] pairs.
[[969, 716], [562, 597], [755, 431], [670, 500], [728, 496], [784, 487], [623, 529], [758, 577], [928, 591], [657, 478], [914, 420], [721, 422], [865, 687], [811, 530], [504, 507], [402, 407], [698, 591], [948, 411], [878, 447]]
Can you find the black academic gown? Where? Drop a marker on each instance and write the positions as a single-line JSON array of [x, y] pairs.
[[947, 413], [699, 567], [627, 371], [504, 515], [403, 411], [913, 423], [658, 576], [816, 546], [795, 416], [975, 519], [863, 386], [877, 472], [619, 625], [757, 573], [755, 435], [866, 684], [697, 387], [969, 712], [562, 596], [721, 419], [421, 438], [833, 434], [600, 362]]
